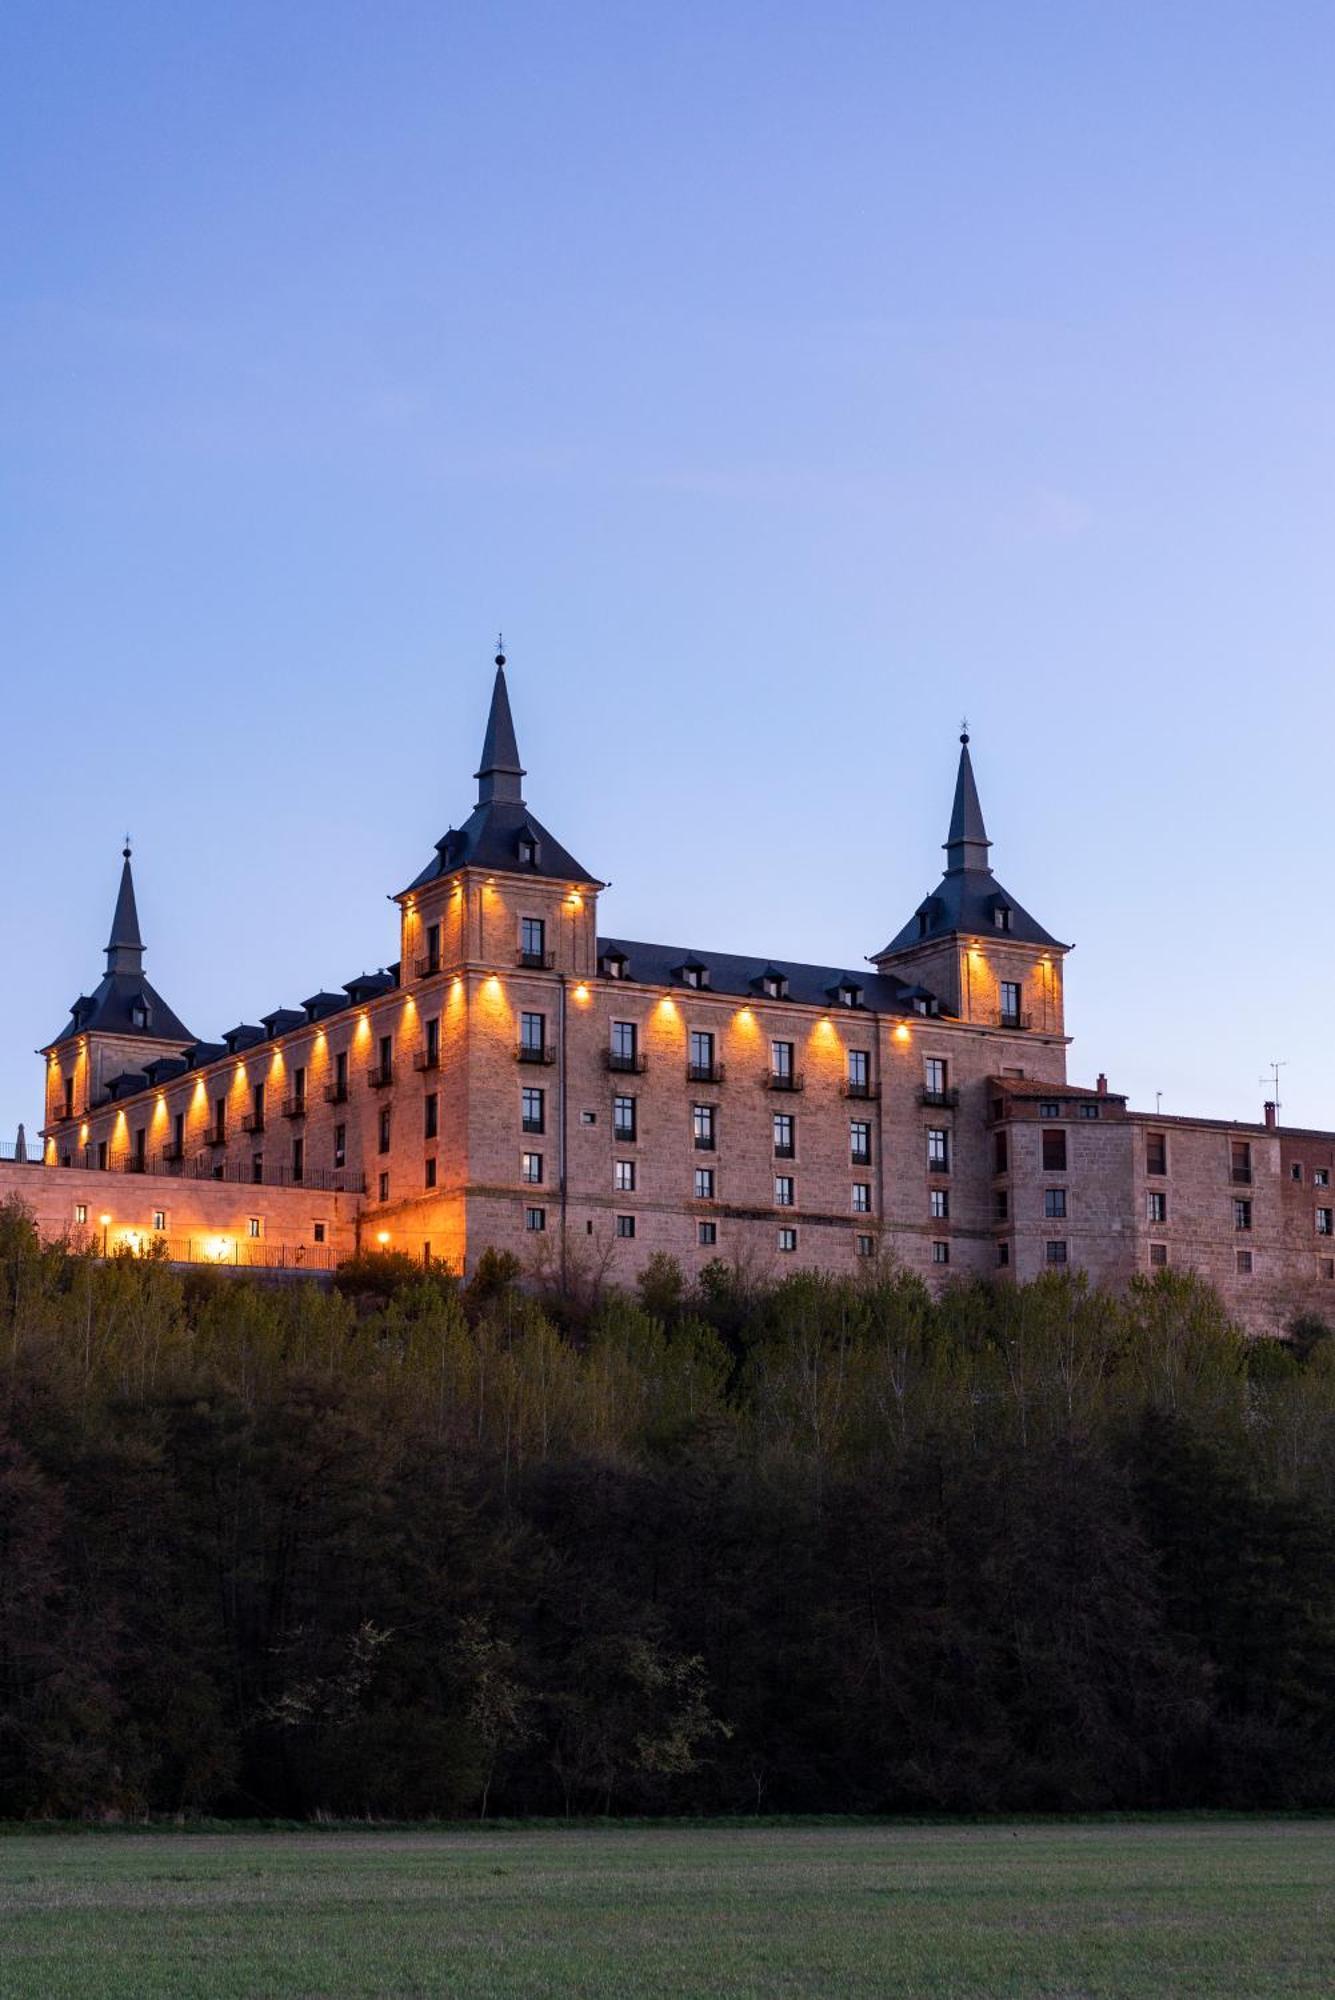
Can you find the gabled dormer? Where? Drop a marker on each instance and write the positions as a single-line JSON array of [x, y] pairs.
[[500, 891], [969, 945]]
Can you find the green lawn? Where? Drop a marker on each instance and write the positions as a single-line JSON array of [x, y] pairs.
[[1243, 1908]]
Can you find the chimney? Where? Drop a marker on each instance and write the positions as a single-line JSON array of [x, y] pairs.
[[1101, 1084], [1269, 1115]]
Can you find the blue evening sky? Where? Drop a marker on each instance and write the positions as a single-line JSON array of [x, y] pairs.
[[785, 380]]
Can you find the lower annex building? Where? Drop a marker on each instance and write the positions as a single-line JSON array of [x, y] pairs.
[[516, 1080]]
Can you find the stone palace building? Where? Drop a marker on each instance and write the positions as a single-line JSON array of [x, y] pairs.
[[516, 1079]]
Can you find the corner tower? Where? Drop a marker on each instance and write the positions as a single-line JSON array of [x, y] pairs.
[[971, 944], [122, 1024]]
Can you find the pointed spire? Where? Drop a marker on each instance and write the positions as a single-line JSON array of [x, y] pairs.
[[967, 843], [125, 947], [501, 771]]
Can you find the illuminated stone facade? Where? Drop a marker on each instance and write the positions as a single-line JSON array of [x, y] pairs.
[[518, 1081]]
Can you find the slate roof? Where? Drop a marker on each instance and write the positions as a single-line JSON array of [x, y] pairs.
[[495, 831], [660, 965], [108, 1010]]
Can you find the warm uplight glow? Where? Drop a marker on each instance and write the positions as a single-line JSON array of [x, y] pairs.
[[667, 1005], [218, 1247], [83, 1135], [382, 1237], [901, 1033], [493, 984], [575, 900], [105, 1221], [581, 992]]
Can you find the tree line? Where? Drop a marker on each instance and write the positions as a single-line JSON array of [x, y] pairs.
[[408, 1547]]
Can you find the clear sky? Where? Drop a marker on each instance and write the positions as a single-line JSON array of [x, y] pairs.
[[784, 380]]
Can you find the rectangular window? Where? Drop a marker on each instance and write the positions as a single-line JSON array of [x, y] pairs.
[[866, 1246], [859, 1142], [530, 1167], [787, 1240], [1003, 1255], [257, 1107], [702, 1127], [1087, 1108], [341, 1144], [1243, 1260], [785, 1135], [1240, 1160], [430, 1180], [934, 1076], [1054, 1152], [859, 1072], [69, 1096], [383, 1135], [624, 1046], [81, 1211], [430, 1116], [706, 1234], [384, 1064], [862, 1197], [1055, 1253], [1049, 1108], [319, 1232], [431, 1051], [1000, 1153], [257, 1167], [384, 1187], [1156, 1206], [704, 1183], [298, 1160], [625, 1225], [1320, 1177], [299, 1088], [623, 1176], [1156, 1152], [623, 1118], [938, 1204], [940, 1252], [1242, 1214], [141, 1148], [781, 1060], [701, 1066], [535, 1218], [1054, 1204], [220, 1117], [1328, 1267], [532, 1034], [1001, 1205], [432, 961], [1010, 1003], [159, 1220], [1158, 1255], [1323, 1221], [532, 941], [102, 1155], [783, 1190], [253, 1227], [938, 1150], [532, 1107]]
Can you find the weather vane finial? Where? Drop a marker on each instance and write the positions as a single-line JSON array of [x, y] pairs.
[[125, 851], [964, 729], [500, 649]]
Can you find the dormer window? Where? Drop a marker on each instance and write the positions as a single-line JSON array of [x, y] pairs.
[[693, 973], [528, 851], [139, 1015], [775, 985], [923, 1003], [1002, 916], [924, 922], [613, 964]]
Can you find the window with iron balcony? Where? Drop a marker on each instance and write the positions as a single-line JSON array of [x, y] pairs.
[[702, 1067], [533, 951], [623, 1053]]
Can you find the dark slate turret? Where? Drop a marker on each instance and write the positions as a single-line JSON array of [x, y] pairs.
[[968, 900], [124, 1003], [501, 834]]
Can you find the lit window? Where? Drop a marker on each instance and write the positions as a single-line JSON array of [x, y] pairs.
[[1242, 1215], [532, 1106], [623, 1176], [938, 1150], [319, 1232], [787, 1239], [702, 1126], [253, 1226], [783, 1190], [530, 1168], [859, 1142], [623, 1118], [625, 1225], [1323, 1221], [159, 1219], [81, 1211]]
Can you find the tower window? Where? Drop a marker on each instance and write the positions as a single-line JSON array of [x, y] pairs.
[[1055, 1253], [940, 1252], [1156, 1206], [625, 1225], [787, 1240], [1010, 1004], [1054, 1204], [1002, 916]]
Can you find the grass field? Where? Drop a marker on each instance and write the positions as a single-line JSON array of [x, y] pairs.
[[1243, 1908]]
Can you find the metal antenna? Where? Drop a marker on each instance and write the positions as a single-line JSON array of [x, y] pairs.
[[1271, 1082], [1158, 1100]]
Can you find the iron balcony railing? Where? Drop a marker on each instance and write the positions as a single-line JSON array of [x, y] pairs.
[[533, 1052], [428, 967], [1010, 1020], [789, 1079], [705, 1072], [632, 1064], [169, 1165], [939, 1100], [535, 961], [253, 1122], [336, 1093], [217, 1137], [1243, 1176], [427, 1059], [864, 1089], [295, 1107], [380, 1075]]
